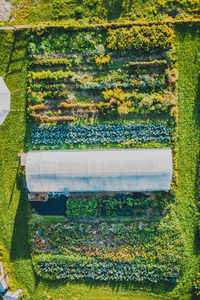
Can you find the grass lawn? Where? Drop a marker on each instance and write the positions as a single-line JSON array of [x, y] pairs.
[[14, 207], [13, 204], [188, 150]]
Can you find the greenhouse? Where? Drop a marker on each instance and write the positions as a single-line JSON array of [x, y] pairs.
[[99, 170], [4, 101]]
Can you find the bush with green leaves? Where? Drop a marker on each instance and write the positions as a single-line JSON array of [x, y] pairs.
[[141, 37], [111, 206], [64, 41], [42, 86], [49, 61], [49, 76]]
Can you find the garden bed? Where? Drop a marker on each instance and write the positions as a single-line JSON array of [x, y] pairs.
[[94, 233]]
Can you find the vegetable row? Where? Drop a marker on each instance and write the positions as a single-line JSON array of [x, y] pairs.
[[136, 37], [67, 267], [99, 134]]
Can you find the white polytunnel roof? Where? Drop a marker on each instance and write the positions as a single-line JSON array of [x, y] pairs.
[[4, 101], [99, 170]]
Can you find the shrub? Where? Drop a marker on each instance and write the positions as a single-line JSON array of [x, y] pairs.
[[172, 75], [141, 37], [123, 109], [51, 61], [117, 94], [156, 103], [65, 42], [37, 107], [34, 97], [78, 12], [63, 94], [102, 86], [102, 59], [147, 64], [41, 87], [48, 75], [76, 105], [46, 118]]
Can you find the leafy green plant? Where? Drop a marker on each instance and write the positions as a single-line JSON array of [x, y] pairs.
[[137, 37], [81, 208], [48, 75], [102, 60], [99, 134]]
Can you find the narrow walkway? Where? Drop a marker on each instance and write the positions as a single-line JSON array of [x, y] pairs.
[[5, 9]]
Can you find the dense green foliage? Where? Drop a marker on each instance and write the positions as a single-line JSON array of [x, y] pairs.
[[93, 74], [87, 11], [63, 41], [188, 47], [61, 267], [81, 208], [99, 134], [143, 243], [120, 205], [141, 37]]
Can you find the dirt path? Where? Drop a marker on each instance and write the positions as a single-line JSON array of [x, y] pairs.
[[5, 9]]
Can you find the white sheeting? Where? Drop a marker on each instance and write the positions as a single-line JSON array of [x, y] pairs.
[[4, 101], [99, 170]]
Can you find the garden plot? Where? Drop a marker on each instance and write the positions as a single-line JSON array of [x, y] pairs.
[[141, 248], [93, 75], [105, 89]]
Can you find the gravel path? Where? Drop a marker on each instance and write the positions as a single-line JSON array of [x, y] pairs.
[[5, 9]]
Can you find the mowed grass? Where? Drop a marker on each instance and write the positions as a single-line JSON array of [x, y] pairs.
[[188, 147], [13, 203]]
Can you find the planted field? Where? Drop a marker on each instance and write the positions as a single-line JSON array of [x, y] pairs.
[[103, 89], [93, 78], [103, 242], [98, 242], [99, 134]]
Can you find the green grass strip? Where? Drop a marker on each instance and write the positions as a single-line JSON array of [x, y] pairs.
[[188, 131]]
